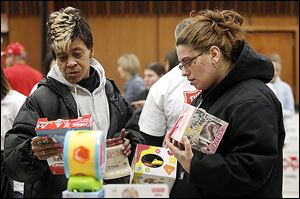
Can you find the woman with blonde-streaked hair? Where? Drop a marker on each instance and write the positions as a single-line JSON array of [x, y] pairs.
[[128, 68], [75, 86]]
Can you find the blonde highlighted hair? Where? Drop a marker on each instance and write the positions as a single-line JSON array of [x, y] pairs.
[[213, 28], [66, 25], [129, 62]]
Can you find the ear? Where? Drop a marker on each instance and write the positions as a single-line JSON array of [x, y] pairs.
[[215, 54], [91, 53]]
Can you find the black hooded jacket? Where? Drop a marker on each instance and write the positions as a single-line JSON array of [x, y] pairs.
[[248, 161], [53, 100]]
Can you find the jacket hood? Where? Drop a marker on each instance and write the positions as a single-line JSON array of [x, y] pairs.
[[249, 65], [56, 74]]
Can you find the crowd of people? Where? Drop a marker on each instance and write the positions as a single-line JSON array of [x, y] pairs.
[[212, 67]]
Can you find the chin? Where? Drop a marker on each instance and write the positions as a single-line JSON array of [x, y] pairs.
[[198, 87], [74, 81]]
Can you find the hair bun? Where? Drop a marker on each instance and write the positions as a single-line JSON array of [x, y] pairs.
[[232, 16]]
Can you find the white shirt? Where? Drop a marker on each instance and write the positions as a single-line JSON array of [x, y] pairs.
[[10, 106], [165, 102], [284, 94]]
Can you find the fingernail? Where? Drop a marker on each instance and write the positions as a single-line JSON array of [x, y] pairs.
[[123, 148]]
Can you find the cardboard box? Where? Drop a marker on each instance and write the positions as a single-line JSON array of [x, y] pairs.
[[136, 191], [153, 165], [70, 194], [203, 130], [56, 130]]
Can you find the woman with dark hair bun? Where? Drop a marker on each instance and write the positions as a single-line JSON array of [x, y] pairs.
[[215, 57]]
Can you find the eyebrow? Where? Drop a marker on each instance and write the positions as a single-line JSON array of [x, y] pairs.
[[60, 54], [74, 49], [185, 58], [77, 48]]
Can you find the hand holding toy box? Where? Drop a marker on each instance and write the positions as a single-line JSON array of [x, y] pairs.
[[204, 130], [56, 130], [153, 165]]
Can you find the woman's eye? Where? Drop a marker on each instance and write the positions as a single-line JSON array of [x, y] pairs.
[[77, 54], [62, 58]]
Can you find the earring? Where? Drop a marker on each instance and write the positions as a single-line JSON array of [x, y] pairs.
[[214, 64], [92, 54]]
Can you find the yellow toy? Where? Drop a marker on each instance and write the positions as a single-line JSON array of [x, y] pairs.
[[156, 163], [84, 160]]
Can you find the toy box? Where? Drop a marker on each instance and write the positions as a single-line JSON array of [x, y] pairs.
[[56, 130], [136, 191], [153, 165], [70, 194], [204, 130]]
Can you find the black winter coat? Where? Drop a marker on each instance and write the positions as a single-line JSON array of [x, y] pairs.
[[248, 162], [53, 100]]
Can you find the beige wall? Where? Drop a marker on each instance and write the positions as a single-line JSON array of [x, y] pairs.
[[151, 37], [27, 31]]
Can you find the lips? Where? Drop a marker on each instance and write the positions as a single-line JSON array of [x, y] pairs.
[[191, 81], [73, 73]]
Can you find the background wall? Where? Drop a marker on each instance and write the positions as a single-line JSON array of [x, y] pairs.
[[147, 29]]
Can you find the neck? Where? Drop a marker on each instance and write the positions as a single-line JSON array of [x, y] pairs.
[[128, 77], [223, 68]]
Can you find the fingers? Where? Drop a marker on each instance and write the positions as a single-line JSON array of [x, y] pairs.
[[45, 154], [126, 149], [37, 140], [171, 146], [44, 148], [123, 133], [187, 145], [127, 153]]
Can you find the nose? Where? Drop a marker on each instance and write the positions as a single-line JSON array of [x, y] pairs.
[[71, 63], [184, 72]]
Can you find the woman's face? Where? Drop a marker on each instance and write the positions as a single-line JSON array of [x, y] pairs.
[[123, 74], [150, 77], [75, 63], [198, 69]]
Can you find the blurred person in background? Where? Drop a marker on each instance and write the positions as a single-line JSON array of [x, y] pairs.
[[11, 102], [282, 89], [128, 68], [20, 75], [171, 60], [152, 73]]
